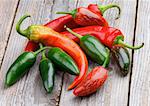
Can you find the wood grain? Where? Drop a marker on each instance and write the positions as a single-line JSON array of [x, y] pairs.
[[115, 90], [29, 90], [6, 19], [140, 81]]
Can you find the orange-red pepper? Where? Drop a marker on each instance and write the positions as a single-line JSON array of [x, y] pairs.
[[49, 37]]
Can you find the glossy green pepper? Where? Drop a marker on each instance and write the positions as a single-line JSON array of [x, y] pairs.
[[47, 72], [122, 58], [20, 66], [92, 47], [63, 61]]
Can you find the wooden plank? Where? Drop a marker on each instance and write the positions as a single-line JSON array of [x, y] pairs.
[[115, 90], [140, 81], [29, 90], [7, 12]]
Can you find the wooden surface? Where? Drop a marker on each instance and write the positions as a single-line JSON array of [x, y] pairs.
[[132, 90]]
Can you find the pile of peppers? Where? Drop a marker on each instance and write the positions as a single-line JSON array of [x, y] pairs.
[[66, 42]]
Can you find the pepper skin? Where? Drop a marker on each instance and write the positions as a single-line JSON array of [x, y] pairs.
[[31, 46], [122, 58], [20, 66], [63, 61], [107, 35], [99, 9], [94, 80], [85, 17], [49, 37], [92, 47]]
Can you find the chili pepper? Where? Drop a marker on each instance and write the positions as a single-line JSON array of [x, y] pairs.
[[20, 66], [93, 81], [49, 37], [57, 25], [86, 17], [107, 35], [47, 72], [101, 9], [122, 58], [92, 47], [63, 60]]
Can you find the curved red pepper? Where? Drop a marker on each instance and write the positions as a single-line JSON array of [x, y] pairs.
[[93, 81], [107, 35]]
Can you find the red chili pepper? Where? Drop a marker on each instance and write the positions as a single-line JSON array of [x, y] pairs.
[[107, 35], [93, 81], [57, 25], [49, 37], [101, 9], [86, 17]]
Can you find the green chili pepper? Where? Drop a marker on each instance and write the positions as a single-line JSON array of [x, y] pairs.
[[92, 47], [63, 61], [47, 72], [122, 58], [20, 66]]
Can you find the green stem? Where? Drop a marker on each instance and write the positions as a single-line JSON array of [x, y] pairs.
[[38, 51], [76, 34], [73, 13], [129, 46], [106, 7], [43, 52], [107, 58], [22, 32]]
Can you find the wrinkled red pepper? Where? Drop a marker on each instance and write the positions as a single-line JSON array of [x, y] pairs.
[[94, 80], [107, 35], [85, 17]]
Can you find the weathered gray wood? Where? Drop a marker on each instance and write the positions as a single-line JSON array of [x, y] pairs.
[[115, 90], [140, 81], [7, 12], [29, 90]]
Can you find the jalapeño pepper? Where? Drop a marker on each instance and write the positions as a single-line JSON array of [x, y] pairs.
[[47, 72], [20, 66], [63, 60], [92, 47], [122, 58]]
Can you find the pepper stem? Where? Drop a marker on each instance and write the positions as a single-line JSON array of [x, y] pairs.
[[73, 13], [22, 32], [41, 49], [129, 46], [106, 7], [107, 58], [74, 33], [43, 52]]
